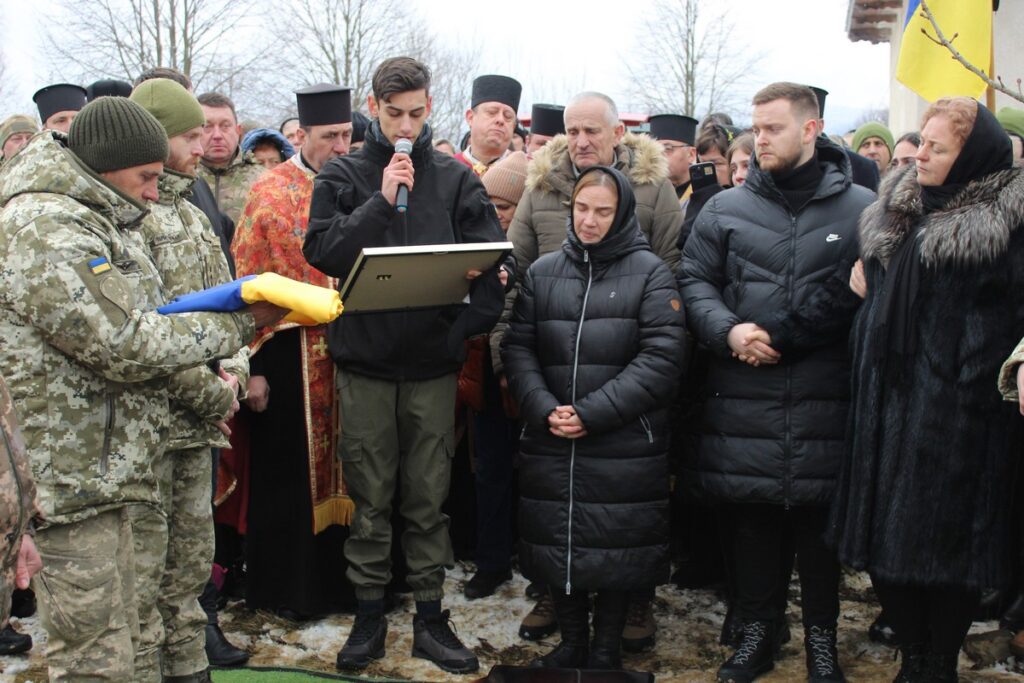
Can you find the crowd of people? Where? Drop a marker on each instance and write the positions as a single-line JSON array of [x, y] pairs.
[[731, 352]]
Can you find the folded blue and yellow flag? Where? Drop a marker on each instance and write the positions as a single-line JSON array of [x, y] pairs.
[[929, 69], [309, 304]]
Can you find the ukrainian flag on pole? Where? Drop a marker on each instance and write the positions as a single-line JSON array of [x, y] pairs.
[[928, 68]]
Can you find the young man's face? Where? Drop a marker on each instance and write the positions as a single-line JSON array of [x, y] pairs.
[[186, 151], [781, 135], [402, 114]]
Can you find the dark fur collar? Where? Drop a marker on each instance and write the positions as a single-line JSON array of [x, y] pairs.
[[973, 230]]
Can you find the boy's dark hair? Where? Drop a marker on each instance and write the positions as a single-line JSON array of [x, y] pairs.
[[399, 74], [215, 100], [164, 72]]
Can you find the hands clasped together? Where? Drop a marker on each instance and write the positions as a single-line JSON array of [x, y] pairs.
[[564, 422], [753, 345]]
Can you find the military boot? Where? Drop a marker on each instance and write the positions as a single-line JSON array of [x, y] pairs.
[[573, 613]]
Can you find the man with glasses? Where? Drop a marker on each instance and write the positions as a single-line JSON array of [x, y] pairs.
[[677, 135]]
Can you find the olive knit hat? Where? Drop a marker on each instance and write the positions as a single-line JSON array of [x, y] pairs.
[[176, 109], [507, 178], [113, 133], [872, 129], [1012, 120]]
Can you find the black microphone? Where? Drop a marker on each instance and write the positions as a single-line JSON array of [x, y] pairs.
[[402, 146]]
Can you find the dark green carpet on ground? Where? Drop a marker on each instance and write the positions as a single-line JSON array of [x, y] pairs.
[[260, 674]]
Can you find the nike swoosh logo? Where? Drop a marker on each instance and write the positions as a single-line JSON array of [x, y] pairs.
[[833, 238]]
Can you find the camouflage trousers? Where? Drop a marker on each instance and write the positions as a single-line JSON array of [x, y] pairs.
[[90, 592], [184, 478]]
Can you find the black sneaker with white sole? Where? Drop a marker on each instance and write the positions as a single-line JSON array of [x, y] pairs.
[[434, 640]]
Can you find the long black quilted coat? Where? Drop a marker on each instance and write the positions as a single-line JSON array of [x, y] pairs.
[[601, 328]]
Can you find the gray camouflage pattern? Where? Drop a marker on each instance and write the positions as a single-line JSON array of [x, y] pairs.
[[231, 185], [85, 355], [90, 597], [17, 498], [188, 256]]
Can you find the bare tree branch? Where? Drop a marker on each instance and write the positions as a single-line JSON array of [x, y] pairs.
[[682, 61], [940, 39]]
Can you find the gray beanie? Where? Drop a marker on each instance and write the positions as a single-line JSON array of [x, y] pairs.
[[113, 133]]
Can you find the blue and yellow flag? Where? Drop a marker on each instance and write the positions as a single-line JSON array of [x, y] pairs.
[[309, 304], [928, 68]]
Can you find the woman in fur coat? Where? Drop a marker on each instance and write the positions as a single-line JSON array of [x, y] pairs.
[[924, 498]]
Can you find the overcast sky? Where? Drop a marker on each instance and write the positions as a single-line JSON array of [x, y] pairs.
[[559, 47]]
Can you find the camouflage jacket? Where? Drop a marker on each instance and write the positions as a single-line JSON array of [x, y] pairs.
[[188, 256], [86, 357], [17, 490], [231, 185]]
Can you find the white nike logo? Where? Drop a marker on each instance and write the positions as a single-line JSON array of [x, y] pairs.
[[833, 238]]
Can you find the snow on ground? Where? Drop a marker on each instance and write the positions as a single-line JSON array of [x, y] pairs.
[[687, 651]]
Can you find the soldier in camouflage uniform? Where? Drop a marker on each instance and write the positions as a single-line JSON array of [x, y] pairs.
[[92, 369], [188, 256], [226, 169], [18, 513]]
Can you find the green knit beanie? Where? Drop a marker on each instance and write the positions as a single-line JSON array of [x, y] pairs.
[[113, 133], [873, 129], [176, 109], [1012, 120]]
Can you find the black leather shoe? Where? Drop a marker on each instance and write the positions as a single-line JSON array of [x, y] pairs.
[[365, 642], [14, 643], [484, 584], [434, 640], [1013, 618], [23, 603], [536, 591], [220, 651], [822, 656], [540, 622], [754, 656]]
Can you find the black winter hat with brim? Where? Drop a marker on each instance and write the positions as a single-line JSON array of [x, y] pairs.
[[113, 133]]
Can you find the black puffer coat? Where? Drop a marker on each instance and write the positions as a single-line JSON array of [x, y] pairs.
[[774, 434], [599, 327]]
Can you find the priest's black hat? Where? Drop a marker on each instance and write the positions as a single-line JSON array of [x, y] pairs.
[[821, 94], [324, 104], [674, 127], [547, 119], [58, 97], [493, 88], [108, 87]]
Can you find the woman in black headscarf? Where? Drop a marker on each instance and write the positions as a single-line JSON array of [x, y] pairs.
[[924, 501], [592, 355]]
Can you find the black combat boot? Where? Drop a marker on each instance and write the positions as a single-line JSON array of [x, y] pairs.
[[610, 609], [573, 616], [822, 655], [754, 656], [365, 642]]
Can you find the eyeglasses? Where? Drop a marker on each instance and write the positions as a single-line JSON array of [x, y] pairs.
[[671, 148]]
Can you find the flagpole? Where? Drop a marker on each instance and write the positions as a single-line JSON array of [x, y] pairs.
[[990, 92]]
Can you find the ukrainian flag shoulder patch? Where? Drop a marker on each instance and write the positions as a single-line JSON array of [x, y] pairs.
[[99, 265]]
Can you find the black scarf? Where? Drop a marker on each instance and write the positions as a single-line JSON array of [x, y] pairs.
[[987, 150]]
